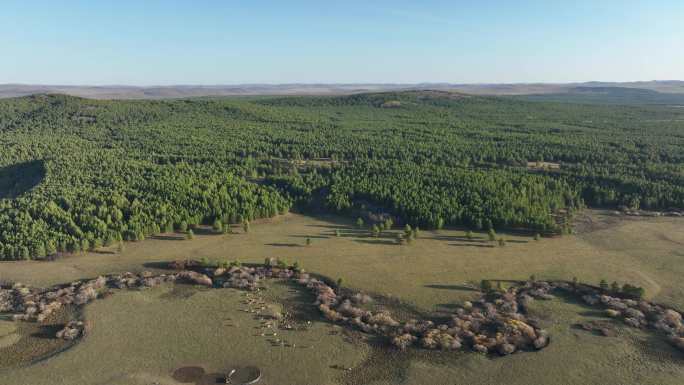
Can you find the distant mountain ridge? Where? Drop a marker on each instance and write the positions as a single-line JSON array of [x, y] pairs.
[[186, 91], [609, 95]]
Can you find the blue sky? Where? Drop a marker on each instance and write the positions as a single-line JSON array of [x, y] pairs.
[[150, 42]]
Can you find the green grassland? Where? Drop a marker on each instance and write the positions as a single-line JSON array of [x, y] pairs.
[[574, 357], [644, 251], [138, 338], [141, 337]]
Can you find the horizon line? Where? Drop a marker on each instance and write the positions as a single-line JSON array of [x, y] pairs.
[[334, 84]]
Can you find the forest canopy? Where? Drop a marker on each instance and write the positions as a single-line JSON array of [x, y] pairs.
[[78, 174]]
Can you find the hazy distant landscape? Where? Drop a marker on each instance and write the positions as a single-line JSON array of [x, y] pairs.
[[655, 92]]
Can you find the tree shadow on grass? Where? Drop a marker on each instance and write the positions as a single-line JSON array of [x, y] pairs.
[[344, 234], [593, 313], [176, 237], [284, 244], [658, 348], [105, 252], [448, 306], [299, 305], [449, 238], [204, 231], [451, 287], [47, 331], [469, 245], [311, 236], [340, 227], [376, 241]]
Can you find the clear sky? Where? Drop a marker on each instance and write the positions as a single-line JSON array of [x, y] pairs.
[[154, 42]]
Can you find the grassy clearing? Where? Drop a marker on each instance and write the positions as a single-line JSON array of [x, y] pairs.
[[430, 272], [25, 342], [8, 337], [140, 337], [575, 357]]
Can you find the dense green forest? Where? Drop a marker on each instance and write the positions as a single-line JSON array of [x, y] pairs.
[[76, 174]]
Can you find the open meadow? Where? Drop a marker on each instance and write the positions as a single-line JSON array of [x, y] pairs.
[[140, 337], [433, 270]]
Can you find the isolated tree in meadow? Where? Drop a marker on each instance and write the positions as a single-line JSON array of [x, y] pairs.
[[492, 235], [537, 236], [375, 231], [245, 226], [469, 235], [190, 234], [389, 223], [359, 223], [416, 232]]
